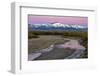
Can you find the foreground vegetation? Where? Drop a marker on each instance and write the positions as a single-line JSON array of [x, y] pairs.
[[37, 38], [71, 33]]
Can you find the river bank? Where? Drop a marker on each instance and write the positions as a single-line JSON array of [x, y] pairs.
[[67, 50]]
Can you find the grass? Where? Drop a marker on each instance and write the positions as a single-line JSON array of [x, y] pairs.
[[40, 39], [71, 33]]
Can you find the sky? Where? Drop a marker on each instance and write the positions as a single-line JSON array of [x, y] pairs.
[[36, 19]]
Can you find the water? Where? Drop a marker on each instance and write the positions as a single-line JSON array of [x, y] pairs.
[[72, 44]]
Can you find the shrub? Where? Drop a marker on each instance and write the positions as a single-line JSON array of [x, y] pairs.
[[30, 35]]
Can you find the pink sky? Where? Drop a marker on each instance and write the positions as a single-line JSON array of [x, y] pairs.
[[36, 19]]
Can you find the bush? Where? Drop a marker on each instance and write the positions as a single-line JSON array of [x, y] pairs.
[[30, 35]]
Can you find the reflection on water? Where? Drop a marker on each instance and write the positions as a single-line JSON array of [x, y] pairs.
[[72, 44]]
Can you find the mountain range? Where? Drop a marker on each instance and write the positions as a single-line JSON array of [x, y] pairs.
[[56, 26]]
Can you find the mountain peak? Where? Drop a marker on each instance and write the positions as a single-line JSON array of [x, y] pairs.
[[58, 24]]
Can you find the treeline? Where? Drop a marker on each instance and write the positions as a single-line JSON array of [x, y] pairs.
[[72, 33]]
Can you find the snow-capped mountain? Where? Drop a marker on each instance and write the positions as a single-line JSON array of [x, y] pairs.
[[57, 26]]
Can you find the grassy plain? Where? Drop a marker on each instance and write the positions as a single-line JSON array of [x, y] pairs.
[[40, 39]]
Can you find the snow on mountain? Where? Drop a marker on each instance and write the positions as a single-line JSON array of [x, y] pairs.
[[57, 26]]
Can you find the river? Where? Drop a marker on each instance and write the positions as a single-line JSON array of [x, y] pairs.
[[73, 44]]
